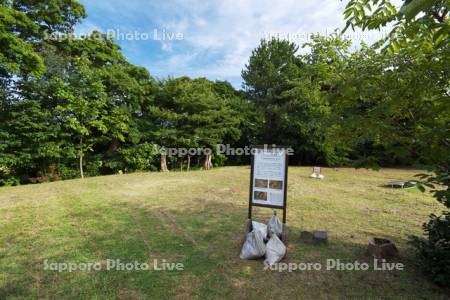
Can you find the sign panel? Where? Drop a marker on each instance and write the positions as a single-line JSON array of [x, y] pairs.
[[268, 179], [269, 172], [317, 170]]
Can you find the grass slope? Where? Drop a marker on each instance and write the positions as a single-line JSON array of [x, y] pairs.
[[197, 219]]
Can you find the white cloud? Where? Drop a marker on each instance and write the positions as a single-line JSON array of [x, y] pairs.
[[234, 28], [219, 35]]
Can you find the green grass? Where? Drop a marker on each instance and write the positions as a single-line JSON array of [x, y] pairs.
[[198, 218]]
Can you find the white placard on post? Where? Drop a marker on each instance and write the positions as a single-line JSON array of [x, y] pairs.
[[269, 177]]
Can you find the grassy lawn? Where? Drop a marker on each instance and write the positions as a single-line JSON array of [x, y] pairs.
[[198, 218]]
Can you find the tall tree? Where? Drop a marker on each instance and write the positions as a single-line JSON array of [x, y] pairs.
[[413, 102], [24, 25], [290, 91], [271, 67], [189, 113]]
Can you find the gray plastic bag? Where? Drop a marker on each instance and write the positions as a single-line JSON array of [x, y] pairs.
[[274, 225], [254, 246], [275, 250], [261, 228]]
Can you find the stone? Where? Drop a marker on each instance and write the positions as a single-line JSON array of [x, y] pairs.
[[381, 248], [320, 236]]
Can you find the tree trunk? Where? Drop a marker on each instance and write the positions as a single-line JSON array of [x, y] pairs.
[[181, 164], [207, 165], [164, 163], [81, 158], [188, 162]]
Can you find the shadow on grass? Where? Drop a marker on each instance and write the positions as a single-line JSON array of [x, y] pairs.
[[205, 236]]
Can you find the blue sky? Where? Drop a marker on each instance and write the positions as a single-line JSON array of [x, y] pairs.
[[212, 39]]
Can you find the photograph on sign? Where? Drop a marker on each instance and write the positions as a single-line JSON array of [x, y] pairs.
[[276, 184], [269, 176], [261, 183]]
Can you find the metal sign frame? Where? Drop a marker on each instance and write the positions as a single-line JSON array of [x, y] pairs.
[[250, 198]]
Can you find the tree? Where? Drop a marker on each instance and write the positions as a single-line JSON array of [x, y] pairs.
[[23, 26], [85, 109], [16, 55], [291, 92], [309, 115], [249, 118], [188, 113], [271, 67], [413, 103], [31, 140], [423, 21]]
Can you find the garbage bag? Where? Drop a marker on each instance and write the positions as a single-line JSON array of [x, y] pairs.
[[254, 246], [260, 227], [275, 250], [274, 225]]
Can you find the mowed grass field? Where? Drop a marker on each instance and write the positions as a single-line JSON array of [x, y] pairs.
[[198, 219]]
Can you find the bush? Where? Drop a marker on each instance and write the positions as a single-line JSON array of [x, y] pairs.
[[433, 253], [7, 178], [143, 157], [67, 172], [219, 160], [10, 181], [93, 166]]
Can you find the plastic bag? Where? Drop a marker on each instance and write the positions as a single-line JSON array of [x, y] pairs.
[[274, 225], [275, 250], [260, 227], [254, 246]]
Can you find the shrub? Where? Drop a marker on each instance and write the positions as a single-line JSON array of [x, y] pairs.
[[433, 251], [10, 181], [7, 178], [141, 157], [68, 172]]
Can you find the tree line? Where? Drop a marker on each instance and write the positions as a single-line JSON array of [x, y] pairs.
[[71, 107]]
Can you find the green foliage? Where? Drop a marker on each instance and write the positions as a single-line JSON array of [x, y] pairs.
[[16, 55], [190, 113], [68, 171], [5, 177], [141, 157], [84, 101], [23, 25], [434, 251], [292, 93], [407, 112], [51, 15], [270, 68], [31, 138], [401, 103], [425, 20]]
